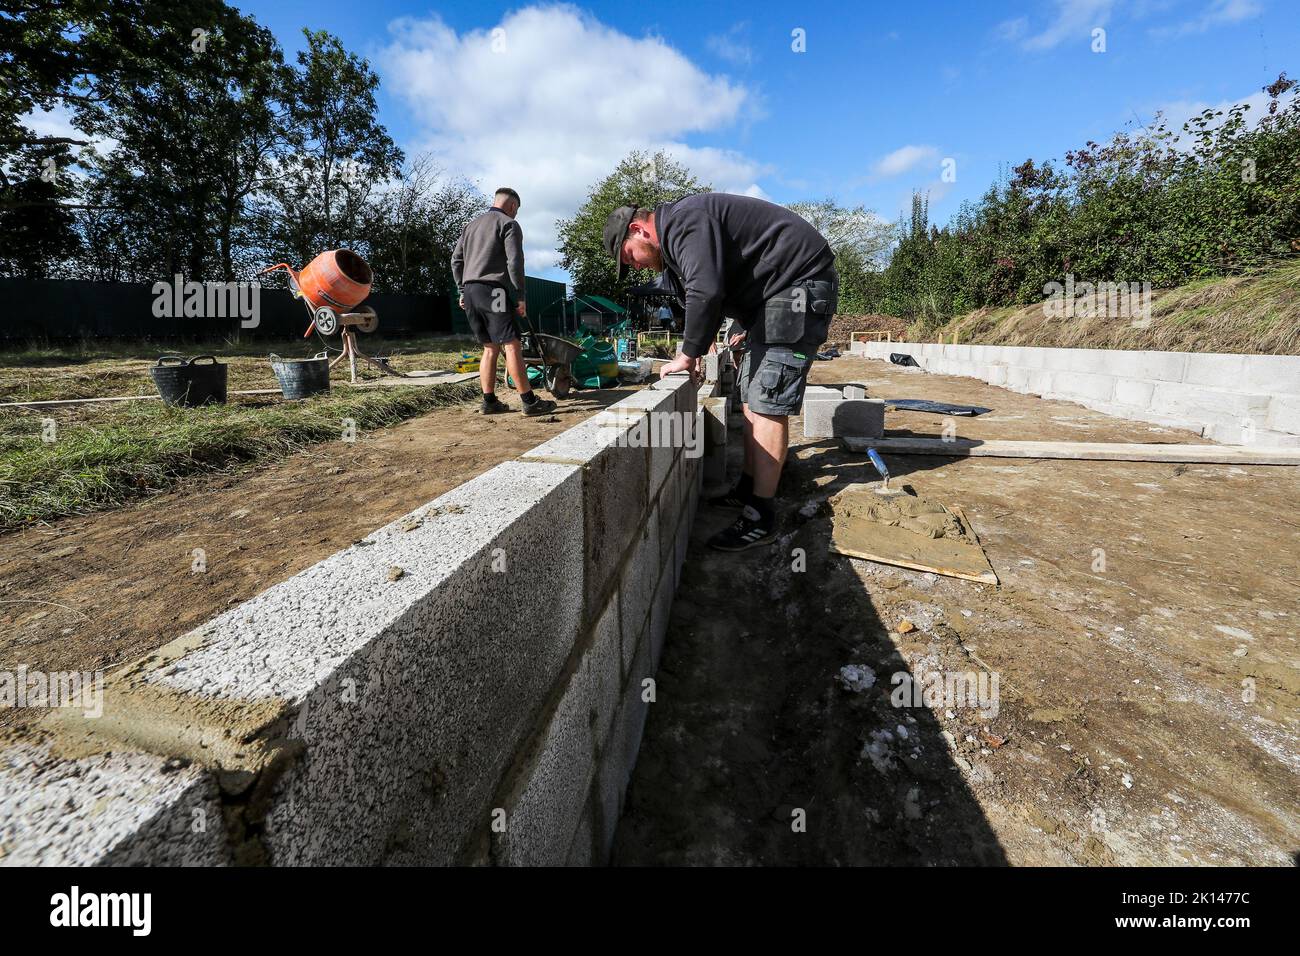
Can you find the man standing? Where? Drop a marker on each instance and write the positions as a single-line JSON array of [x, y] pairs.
[[775, 274], [488, 267]]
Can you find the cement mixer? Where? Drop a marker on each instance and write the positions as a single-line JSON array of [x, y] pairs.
[[332, 286]]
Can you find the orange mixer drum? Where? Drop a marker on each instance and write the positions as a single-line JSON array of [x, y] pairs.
[[339, 278]]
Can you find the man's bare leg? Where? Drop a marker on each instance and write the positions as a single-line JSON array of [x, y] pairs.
[[771, 438], [747, 428], [487, 368], [515, 366]]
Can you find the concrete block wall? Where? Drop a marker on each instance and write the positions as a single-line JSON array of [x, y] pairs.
[[1251, 400], [465, 685]]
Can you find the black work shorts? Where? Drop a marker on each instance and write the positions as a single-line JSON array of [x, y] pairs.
[[773, 377], [490, 313]]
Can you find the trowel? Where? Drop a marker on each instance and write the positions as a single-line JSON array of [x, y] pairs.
[[879, 463]]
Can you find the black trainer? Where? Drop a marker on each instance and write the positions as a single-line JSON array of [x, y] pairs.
[[749, 531], [730, 499], [543, 406], [494, 406]]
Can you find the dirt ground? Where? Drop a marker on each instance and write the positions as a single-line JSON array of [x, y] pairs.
[[1143, 636], [96, 591]]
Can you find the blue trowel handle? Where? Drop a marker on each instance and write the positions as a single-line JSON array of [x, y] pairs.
[[878, 462]]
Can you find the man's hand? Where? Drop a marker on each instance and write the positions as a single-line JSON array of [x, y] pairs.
[[522, 308], [736, 339], [683, 363], [461, 302]]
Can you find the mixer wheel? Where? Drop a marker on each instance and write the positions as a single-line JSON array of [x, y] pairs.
[[327, 320]]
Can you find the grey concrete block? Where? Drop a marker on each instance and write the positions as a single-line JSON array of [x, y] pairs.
[[114, 809], [683, 541], [661, 610], [549, 794], [860, 418], [816, 393], [615, 482], [637, 588], [1091, 385], [618, 757], [406, 736], [1133, 392], [582, 851], [852, 392]]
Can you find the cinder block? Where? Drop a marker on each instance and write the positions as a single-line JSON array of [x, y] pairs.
[[582, 851], [616, 487], [548, 795], [1100, 388], [661, 609], [1136, 392], [637, 588], [859, 418], [1284, 415], [820, 393], [997, 375], [116, 809], [1201, 404], [854, 391], [1214, 369], [1271, 374], [424, 680], [683, 544], [1018, 377], [618, 755]]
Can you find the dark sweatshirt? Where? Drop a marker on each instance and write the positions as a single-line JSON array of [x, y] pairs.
[[490, 249], [727, 255]]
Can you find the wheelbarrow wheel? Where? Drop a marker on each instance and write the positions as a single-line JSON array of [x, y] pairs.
[[558, 380]]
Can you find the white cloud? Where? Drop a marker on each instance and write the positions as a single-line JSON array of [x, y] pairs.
[[550, 100], [58, 122], [905, 158], [1178, 112], [1073, 20], [732, 46], [1218, 13]]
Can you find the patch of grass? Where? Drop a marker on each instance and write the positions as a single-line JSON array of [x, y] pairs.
[[105, 457], [42, 371], [1254, 314]]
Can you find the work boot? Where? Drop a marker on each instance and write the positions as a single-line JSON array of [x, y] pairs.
[[749, 531], [493, 405], [543, 406]]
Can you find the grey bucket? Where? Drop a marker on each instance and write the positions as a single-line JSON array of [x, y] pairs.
[[300, 378], [182, 381]]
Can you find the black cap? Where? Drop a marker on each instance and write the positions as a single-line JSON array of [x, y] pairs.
[[615, 232]]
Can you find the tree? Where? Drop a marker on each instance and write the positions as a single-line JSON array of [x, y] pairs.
[[194, 138], [857, 229], [412, 225], [640, 179], [339, 155], [861, 241]]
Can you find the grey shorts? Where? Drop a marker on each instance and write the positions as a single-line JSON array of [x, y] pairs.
[[773, 377]]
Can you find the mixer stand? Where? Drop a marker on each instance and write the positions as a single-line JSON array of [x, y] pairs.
[[352, 353]]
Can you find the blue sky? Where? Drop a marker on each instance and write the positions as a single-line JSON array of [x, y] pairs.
[[547, 98]]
